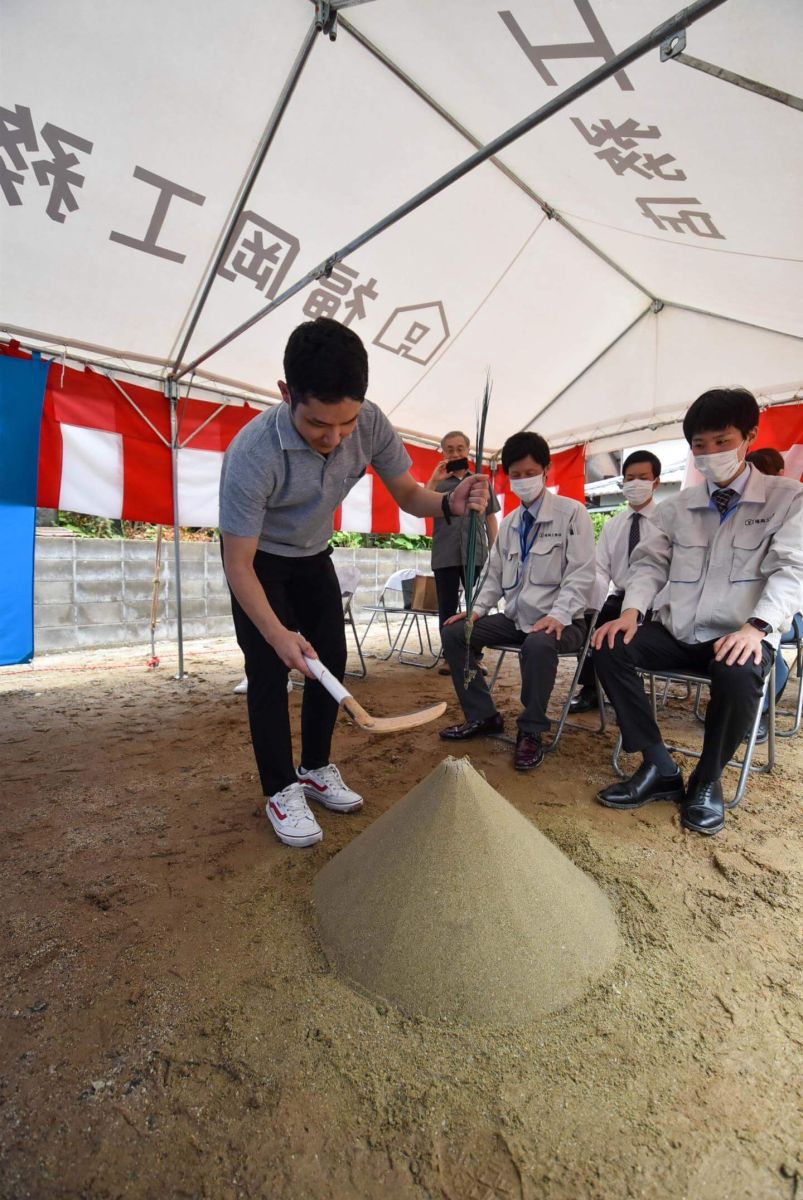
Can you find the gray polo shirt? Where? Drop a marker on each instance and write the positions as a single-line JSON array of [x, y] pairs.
[[275, 487], [450, 541]]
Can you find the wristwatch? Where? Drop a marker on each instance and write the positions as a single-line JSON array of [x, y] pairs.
[[445, 509], [763, 627]]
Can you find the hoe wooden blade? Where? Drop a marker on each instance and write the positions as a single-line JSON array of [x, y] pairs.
[[392, 724], [358, 714]]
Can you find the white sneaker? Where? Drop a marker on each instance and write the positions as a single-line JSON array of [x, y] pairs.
[[327, 787], [292, 821], [242, 686]]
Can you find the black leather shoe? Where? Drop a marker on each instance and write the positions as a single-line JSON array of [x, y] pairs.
[[529, 752], [643, 786], [704, 810], [763, 729], [472, 729], [585, 700]]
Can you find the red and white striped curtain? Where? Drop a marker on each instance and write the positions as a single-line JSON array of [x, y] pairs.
[[109, 456]]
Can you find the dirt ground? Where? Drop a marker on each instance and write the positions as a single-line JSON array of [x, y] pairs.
[[170, 1027]]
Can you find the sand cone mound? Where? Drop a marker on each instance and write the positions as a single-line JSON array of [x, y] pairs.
[[453, 905]]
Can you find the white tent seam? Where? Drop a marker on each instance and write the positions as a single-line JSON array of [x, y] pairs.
[[622, 334], [548, 209], [450, 344]]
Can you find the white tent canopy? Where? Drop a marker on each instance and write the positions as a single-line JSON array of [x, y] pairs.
[[640, 245]]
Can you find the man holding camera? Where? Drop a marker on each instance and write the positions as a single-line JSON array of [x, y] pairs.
[[450, 540]]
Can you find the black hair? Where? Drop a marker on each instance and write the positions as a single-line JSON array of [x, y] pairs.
[[520, 445], [768, 460], [719, 408], [323, 360], [643, 456]]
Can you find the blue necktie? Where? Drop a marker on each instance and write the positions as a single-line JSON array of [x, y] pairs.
[[722, 498], [527, 522]]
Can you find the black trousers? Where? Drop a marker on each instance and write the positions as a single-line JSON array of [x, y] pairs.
[[611, 609], [448, 581], [305, 595], [735, 691], [538, 662]]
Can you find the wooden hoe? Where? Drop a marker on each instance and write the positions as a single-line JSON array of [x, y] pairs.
[[358, 714]]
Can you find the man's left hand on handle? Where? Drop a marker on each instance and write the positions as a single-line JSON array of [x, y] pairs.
[[471, 493]]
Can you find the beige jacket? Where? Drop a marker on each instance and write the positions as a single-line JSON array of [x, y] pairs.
[[558, 577], [704, 579]]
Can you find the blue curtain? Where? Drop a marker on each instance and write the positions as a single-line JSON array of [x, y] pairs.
[[22, 393]]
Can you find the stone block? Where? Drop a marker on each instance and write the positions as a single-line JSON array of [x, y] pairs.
[[51, 549], [52, 641], [53, 591], [53, 568], [192, 608], [218, 606], [99, 591], [134, 551], [192, 586], [97, 549], [54, 616], [99, 613], [220, 626], [101, 635]]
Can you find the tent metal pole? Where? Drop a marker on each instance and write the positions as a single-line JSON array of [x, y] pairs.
[[661, 33], [750, 85], [171, 392], [654, 307], [250, 179]]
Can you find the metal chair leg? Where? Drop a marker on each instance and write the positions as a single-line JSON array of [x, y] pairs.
[[496, 670]]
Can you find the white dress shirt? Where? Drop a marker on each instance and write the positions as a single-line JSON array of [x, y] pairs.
[[612, 563]]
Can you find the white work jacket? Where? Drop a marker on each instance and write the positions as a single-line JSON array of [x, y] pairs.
[[704, 578], [557, 578]]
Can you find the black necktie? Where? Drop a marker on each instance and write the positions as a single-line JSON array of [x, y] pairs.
[[722, 498], [634, 537]]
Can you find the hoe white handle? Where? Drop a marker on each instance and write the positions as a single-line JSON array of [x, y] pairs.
[[333, 686]]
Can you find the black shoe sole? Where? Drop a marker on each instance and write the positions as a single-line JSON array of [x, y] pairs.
[[468, 737], [677, 794], [697, 829], [531, 767]]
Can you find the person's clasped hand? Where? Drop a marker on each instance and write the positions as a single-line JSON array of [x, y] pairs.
[[471, 493]]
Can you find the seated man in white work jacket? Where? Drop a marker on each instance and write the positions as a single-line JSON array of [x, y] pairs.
[[542, 568], [641, 474], [723, 577]]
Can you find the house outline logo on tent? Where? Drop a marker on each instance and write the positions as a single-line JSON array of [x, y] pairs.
[[414, 338]]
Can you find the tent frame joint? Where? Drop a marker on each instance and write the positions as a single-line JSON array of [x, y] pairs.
[[673, 46], [657, 305], [326, 19]]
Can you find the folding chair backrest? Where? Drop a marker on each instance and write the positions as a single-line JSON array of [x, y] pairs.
[[393, 583], [348, 576]]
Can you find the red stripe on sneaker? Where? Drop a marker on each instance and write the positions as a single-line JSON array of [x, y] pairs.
[[319, 787], [280, 815]]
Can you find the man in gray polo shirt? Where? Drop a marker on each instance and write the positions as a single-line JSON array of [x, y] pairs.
[[283, 477], [450, 539]]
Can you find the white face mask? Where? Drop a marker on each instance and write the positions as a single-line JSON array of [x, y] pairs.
[[719, 467], [527, 490], [637, 491]]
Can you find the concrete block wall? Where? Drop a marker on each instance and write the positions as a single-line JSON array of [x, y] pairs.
[[92, 592]]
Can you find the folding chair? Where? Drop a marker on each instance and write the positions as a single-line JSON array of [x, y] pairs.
[[391, 604], [746, 765], [794, 637], [580, 655], [349, 577]]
